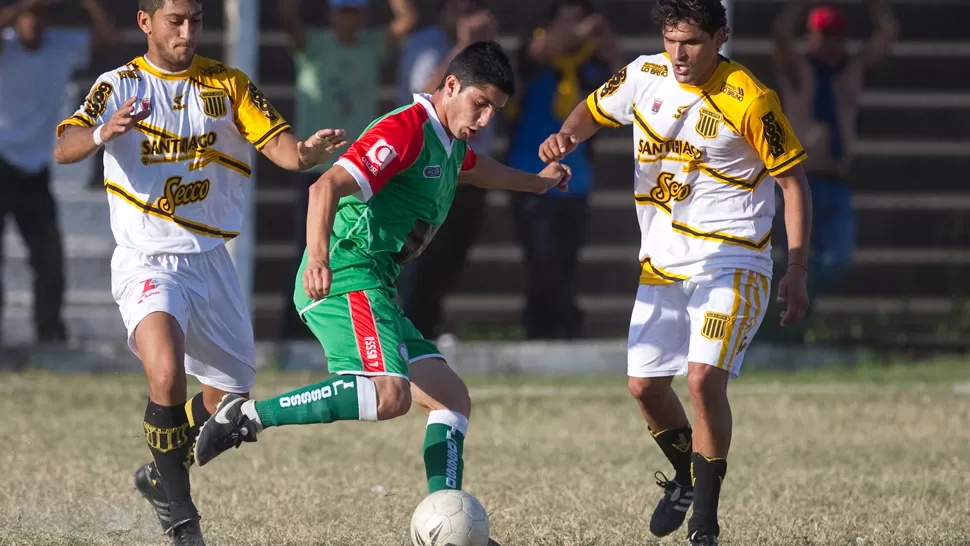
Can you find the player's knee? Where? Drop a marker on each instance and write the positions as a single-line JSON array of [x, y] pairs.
[[646, 389], [393, 397], [707, 384]]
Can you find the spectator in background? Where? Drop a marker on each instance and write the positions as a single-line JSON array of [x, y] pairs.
[[424, 60], [559, 65], [821, 89], [338, 79], [36, 65]]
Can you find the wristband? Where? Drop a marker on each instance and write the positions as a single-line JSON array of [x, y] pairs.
[[97, 136]]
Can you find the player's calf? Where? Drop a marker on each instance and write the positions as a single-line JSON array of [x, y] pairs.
[[440, 392], [339, 398]]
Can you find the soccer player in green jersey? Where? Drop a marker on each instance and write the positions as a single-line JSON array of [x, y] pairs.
[[376, 209]]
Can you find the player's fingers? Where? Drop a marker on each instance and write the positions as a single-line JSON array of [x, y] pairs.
[[141, 116], [561, 144], [545, 152]]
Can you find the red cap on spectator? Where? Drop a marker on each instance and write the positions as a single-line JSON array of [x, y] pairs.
[[827, 19]]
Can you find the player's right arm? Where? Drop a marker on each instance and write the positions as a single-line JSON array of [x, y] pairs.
[[102, 118], [609, 106], [386, 149]]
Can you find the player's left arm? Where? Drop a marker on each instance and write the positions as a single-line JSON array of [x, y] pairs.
[[768, 131], [487, 173], [886, 29], [263, 126]]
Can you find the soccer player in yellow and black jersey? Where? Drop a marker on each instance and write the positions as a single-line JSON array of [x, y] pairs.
[[710, 142], [178, 131]]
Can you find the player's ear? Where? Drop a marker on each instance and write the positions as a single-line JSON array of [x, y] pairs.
[[721, 36], [452, 85], [144, 22]]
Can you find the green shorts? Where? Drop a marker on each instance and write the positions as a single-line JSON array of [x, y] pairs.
[[366, 333]]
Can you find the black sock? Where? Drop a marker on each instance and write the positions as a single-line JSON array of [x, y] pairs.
[[707, 475], [677, 446], [197, 415], [167, 434]]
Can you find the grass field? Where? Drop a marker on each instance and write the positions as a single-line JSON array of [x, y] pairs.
[[864, 458]]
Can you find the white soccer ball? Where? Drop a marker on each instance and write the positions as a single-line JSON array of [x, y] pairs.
[[449, 518]]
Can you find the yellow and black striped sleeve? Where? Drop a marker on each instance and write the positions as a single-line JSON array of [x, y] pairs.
[[100, 103], [255, 117], [612, 104], [766, 128]]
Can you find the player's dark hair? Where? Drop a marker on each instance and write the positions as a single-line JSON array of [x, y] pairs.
[[151, 6], [480, 64], [709, 15]]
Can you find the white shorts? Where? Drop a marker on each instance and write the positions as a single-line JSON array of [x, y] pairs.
[[202, 293], [709, 319]]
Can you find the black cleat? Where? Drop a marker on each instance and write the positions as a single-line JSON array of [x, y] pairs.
[[701, 538], [228, 427], [187, 533], [672, 508], [148, 482]]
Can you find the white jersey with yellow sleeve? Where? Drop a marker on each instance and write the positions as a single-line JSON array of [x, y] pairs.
[[176, 182], [705, 155]]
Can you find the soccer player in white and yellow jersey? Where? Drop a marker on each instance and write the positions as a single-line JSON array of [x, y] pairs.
[[177, 130], [710, 141]]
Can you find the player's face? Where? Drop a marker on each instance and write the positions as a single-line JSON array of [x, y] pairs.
[[693, 52], [471, 108], [174, 30]]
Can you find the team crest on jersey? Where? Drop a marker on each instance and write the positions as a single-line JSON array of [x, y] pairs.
[[708, 123], [214, 103], [657, 103], [715, 325], [379, 156], [432, 171]]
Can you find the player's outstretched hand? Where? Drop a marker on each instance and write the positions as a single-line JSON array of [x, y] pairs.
[[316, 279], [555, 175], [124, 120], [320, 146], [793, 294], [557, 147]]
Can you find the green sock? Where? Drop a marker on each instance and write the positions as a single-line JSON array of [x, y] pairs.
[[339, 398], [443, 442]]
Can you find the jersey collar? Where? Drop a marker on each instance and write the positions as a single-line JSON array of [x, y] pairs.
[[425, 100], [147, 66]]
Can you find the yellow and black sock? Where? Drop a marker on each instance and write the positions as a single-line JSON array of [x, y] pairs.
[[707, 475], [677, 445], [167, 435]]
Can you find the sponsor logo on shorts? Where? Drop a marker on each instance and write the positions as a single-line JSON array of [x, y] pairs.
[[379, 156], [321, 393], [715, 325], [148, 290], [402, 350], [371, 350]]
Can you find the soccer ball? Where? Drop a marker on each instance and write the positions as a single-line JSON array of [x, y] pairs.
[[449, 518]]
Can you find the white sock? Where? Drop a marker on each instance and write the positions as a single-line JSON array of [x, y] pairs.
[[366, 399], [453, 419]]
